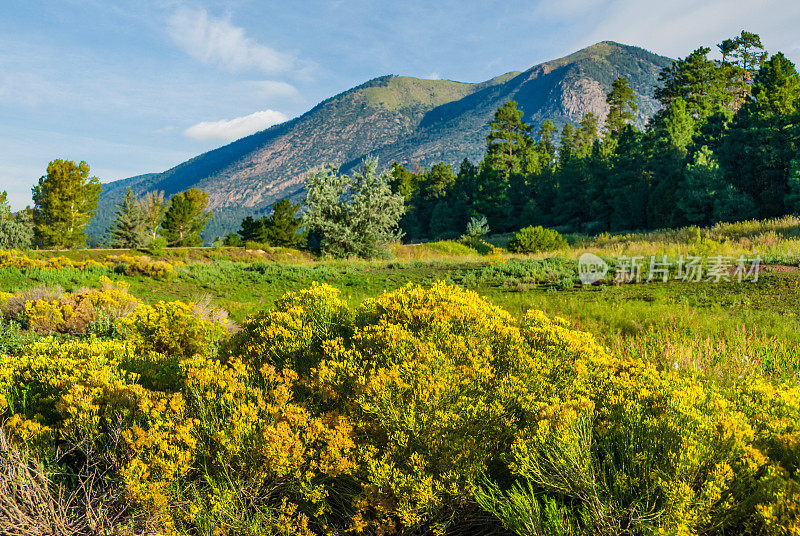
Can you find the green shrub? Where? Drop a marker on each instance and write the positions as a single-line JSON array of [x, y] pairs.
[[249, 244], [12, 339], [157, 246], [535, 239], [233, 240]]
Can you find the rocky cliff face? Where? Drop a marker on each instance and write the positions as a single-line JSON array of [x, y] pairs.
[[413, 121]]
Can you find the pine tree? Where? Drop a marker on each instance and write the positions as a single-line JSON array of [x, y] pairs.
[[491, 197], [254, 230], [702, 183], [631, 186], [700, 82], [545, 145], [668, 142], [186, 218], [64, 201], [461, 198], [434, 186], [761, 141], [283, 225], [750, 53], [622, 107], [508, 140], [129, 229], [403, 181]]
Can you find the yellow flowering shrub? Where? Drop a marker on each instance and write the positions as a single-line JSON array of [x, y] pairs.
[[251, 427], [5, 296], [124, 263], [17, 259], [83, 394], [62, 387], [622, 444], [444, 389], [72, 313], [141, 264], [172, 328], [291, 335], [404, 415]]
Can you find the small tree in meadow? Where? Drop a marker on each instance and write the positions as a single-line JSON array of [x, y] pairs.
[[64, 200], [354, 215], [129, 227], [283, 225], [186, 218], [153, 207], [477, 228]]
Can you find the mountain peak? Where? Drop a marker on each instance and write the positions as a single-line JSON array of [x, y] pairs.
[[415, 121]]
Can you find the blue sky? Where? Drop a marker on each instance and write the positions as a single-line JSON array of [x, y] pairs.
[[139, 86]]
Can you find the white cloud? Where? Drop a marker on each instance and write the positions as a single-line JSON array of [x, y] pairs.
[[274, 89], [677, 27], [233, 129], [216, 40]]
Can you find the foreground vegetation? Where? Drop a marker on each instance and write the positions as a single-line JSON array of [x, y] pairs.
[[227, 391], [419, 410]]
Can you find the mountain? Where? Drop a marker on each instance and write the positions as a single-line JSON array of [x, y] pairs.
[[395, 118]]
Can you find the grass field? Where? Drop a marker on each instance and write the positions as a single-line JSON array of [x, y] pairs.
[[725, 329]]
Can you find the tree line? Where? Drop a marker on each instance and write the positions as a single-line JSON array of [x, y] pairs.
[[65, 199], [724, 146]]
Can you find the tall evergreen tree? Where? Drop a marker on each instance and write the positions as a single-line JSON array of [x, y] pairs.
[[64, 201], [622, 107], [761, 141], [283, 225], [253, 230], [403, 181], [434, 187], [630, 188], [508, 140], [546, 145], [491, 197], [129, 229], [461, 199], [702, 184], [669, 138], [749, 52], [699, 82]]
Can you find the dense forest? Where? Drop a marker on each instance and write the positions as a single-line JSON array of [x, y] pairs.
[[723, 147]]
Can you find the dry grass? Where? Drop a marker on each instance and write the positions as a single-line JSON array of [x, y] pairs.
[[31, 504], [15, 305]]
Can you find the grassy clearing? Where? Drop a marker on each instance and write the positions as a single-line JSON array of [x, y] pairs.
[[725, 330]]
